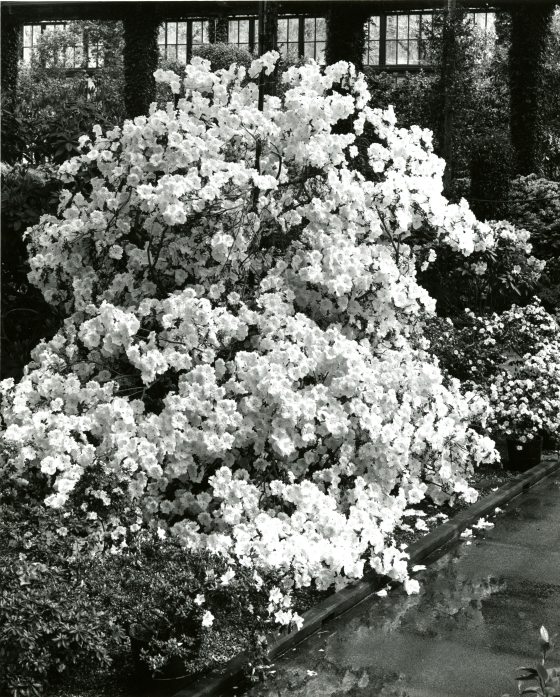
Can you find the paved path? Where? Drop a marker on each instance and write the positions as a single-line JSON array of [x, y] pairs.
[[474, 622]]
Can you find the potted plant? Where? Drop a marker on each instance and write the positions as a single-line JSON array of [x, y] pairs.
[[525, 398]]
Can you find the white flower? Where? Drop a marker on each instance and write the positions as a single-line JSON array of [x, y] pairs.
[[227, 577], [207, 619]]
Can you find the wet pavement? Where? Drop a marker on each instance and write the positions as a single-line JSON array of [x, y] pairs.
[[475, 620]]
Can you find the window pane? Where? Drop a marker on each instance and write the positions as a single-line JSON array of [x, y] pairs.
[[321, 28], [282, 30], [182, 54], [26, 55], [293, 51], [197, 33], [309, 49], [244, 31], [233, 32], [309, 29], [414, 26], [373, 53], [181, 32], [414, 52], [171, 32], [172, 53], [293, 29], [373, 28], [320, 52], [391, 27], [402, 53], [391, 52], [161, 34], [27, 35]]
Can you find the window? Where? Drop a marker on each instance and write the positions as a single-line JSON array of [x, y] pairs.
[[302, 36], [244, 33], [31, 35], [314, 35], [397, 39], [177, 39], [72, 56]]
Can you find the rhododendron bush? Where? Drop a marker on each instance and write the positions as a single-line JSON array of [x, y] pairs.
[[242, 358]]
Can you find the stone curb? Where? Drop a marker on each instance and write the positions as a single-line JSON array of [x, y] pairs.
[[341, 601]]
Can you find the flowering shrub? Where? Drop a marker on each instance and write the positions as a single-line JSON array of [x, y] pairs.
[[240, 363], [475, 347], [489, 280], [526, 399], [512, 360], [535, 206]]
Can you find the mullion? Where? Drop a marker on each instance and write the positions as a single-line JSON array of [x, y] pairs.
[[189, 40], [383, 39]]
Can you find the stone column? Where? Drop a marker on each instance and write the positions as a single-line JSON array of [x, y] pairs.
[[11, 46], [530, 24], [141, 55], [346, 36]]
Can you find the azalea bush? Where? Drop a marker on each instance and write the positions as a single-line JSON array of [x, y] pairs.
[[474, 347], [242, 363], [488, 280], [511, 359], [526, 396]]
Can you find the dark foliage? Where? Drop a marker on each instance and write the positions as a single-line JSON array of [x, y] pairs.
[[345, 34], [27, 193]]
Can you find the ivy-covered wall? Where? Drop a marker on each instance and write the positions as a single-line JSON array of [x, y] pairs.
[[140, 56], [346, 33], [11, 40], [530, 24]]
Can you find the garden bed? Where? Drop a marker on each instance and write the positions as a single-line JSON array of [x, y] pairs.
[[486, 480]]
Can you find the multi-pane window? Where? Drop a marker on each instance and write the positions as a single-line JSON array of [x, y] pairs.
[[288, 37], [314, 35], [302, 36], [70, 55], [243, 32], [177, 39], [31, 35], [397, 39]]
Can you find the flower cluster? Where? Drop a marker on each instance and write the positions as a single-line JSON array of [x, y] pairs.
[[240, 349], [525, 396], [475, 347]]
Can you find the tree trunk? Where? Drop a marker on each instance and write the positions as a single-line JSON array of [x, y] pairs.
[[346, 36], [141, 55], [530, 24], [11, 45]]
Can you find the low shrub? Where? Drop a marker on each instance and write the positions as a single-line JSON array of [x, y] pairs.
[[535, 205], [76, 605], [487, 280], [474, 347], [222, 56]]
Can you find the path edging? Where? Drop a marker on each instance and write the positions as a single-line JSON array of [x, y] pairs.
[[341, 601]]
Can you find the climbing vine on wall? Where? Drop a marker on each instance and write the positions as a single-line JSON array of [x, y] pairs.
[[141, 56]]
